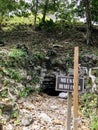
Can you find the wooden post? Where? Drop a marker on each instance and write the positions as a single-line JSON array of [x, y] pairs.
[[75, 96], [1, 126], [69, 105]]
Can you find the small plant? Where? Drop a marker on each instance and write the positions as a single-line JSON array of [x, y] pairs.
[[16, 53], [16, 122], [88, 104], [37, 56], [23, 93], [38, 89], [35, 78], [94, 123], [0, 112], [5, 71], [26, 91], [15, 114], [14, 74], [4, 94]]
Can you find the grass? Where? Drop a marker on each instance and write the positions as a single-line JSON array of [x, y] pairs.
[[16, 53], [11, 23]]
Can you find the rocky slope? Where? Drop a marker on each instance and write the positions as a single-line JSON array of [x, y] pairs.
[[22, 57]]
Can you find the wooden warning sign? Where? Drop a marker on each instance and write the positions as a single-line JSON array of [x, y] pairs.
[[66, 83], [71, 84]]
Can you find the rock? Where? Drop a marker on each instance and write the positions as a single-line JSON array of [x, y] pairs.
[[52, 53], [89, 60], [6, 116], [47, 58], [37, 86], [57, 46], [23, 73], [28, 105], [53, 107], [57, 122], [29, 77], [20, 86], [45, 118], [27, 120], [9, 127], [94, 57], [6, 106], [25, 128], [57, 62], [37, 68], [24, 111], [70, 71], [63, 95], [36, 127]]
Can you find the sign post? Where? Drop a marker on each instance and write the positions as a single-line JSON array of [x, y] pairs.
[[75, 94], [71, 84], [69, 105]]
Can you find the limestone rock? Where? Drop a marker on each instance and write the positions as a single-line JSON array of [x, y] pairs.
[[63, 95], [9, 127], [53, 107], [27, 120], [45, 117]]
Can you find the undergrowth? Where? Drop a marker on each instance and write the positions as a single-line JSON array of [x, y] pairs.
[[89, 109]]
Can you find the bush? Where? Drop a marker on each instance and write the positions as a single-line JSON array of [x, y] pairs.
[[94, 123]]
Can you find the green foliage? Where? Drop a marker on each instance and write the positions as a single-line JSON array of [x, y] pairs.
[[38, 89], [6, 7], [69, 62], [26, 91], [13, 58], [80, 10], [37, 56], [15, 113], [16, 53], [4, 94], [94, 10], [48, 25], [5, 71], [14, 74], [35, 78], [89, 101], [94, 123], [66, 13], [16, 57], [23, 93], [16, 122]]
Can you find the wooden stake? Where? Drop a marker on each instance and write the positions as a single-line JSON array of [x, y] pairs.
[[1, 126], [69, 105], [75, 96]]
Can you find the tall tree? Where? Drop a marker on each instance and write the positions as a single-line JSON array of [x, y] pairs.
[[45, 10], [35, 13], [89, 24]]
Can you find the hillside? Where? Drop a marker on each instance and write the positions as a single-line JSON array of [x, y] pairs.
[[23, 54]]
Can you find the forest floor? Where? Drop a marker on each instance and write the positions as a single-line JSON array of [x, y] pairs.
[[43, 112]]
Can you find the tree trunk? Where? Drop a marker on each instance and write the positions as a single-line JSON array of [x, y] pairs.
[[54, 3], [35, 16], [88, 21], [45, 11]]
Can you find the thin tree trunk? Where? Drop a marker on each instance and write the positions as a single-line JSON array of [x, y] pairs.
[[35, 16], [54, 3], [88, 20], [45, 11]]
